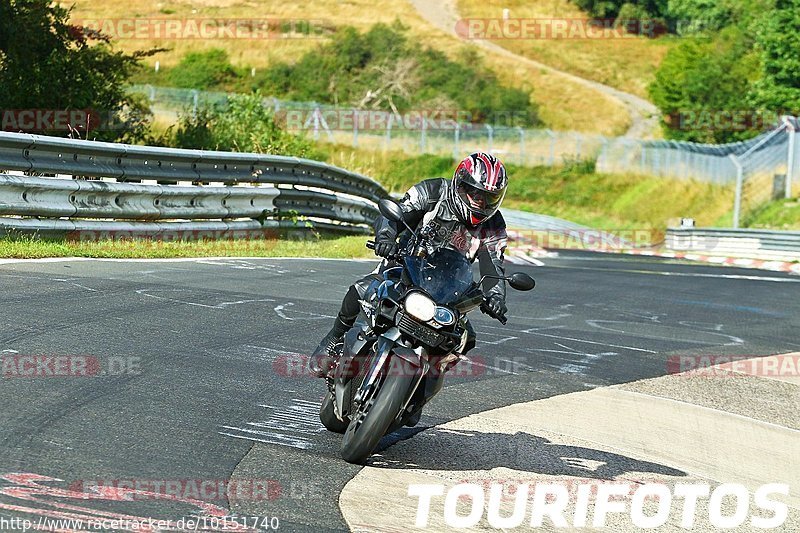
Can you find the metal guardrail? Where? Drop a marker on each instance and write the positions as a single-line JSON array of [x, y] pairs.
[[768, 244], [103, 181]]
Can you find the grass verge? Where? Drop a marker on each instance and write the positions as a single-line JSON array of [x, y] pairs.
[[778, 215], [28, 247]]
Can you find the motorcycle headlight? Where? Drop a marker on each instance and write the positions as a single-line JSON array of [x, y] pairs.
[[420, 306], [444, 316]]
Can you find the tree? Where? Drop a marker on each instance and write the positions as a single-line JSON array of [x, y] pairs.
[[702, 84], [46, 63], [778, 43]]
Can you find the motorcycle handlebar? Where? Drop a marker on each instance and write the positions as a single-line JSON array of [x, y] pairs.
[[485, 310]]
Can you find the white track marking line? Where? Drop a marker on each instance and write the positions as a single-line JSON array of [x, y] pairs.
[[532, 331], [311, 316], [221, 305], [704, 408], [594, 323], [685, 274]]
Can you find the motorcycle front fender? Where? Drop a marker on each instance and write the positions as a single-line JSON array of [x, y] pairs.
[[356, 344]]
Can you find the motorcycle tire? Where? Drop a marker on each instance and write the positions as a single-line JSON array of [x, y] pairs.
[[360, 439], [328, 417]]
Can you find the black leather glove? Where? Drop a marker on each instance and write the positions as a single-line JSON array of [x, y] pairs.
[[385, 248], [496, 305]]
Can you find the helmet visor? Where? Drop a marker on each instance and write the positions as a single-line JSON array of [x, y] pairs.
[[479, 200]]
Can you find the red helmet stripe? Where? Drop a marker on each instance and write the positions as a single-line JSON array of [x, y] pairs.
[[488, 166], [468, 164], [498, 168]]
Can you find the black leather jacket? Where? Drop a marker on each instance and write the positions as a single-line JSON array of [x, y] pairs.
[[426, 205]]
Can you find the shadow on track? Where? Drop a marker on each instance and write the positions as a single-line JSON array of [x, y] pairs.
[[457, 450]]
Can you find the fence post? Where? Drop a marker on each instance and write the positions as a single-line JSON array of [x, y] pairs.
[[456, 138], [195, 99], [521, 146], [790, 161], [491, 137], [388, 139], [552, 147], [422, 136], [642, 157], [355, 129], [737, 201]]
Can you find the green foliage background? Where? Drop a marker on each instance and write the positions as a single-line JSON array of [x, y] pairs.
[[46, 63]]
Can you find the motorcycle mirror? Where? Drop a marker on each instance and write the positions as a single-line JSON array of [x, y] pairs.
[[390, 210], [521, 281]]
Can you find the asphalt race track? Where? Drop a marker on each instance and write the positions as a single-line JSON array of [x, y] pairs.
[[195, 375]]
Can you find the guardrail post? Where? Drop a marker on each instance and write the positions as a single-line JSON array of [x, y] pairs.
[[456, 137], [737, 201], [521, 145], [552, 147], [490, 131]]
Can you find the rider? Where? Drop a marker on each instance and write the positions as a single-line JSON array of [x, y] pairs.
[[461, 214]]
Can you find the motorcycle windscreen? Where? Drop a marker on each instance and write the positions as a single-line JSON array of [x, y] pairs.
[[445, 275]]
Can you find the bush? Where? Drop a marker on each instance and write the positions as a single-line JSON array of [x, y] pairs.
[[203, 70], [244, 125], [381, 69]]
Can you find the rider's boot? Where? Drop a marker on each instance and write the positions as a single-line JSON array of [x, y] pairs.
[[324, 356]]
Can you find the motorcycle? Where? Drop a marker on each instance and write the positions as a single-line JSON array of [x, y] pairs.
[[410, 331]]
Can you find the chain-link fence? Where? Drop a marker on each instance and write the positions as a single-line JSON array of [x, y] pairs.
[[435, 131], [762, 168]]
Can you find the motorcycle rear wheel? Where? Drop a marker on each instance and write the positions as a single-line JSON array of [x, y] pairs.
[[366, 430]]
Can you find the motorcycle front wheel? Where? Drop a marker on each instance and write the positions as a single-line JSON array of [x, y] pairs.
[[328, 417], [372, 420]]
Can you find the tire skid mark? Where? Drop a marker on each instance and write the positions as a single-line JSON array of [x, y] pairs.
[[292, 425]]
